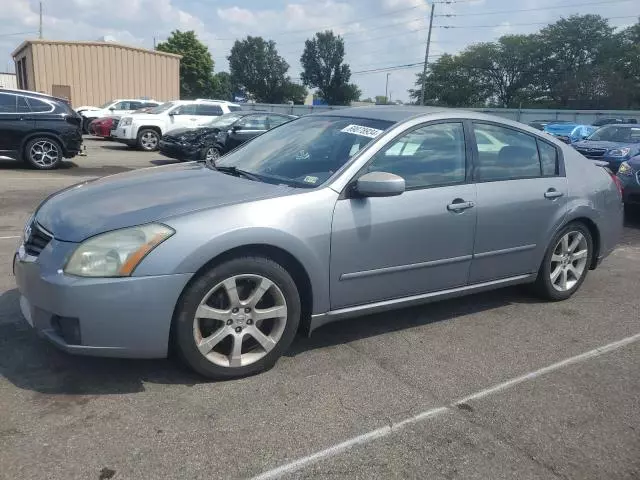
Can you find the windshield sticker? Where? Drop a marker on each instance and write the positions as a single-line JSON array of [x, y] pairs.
[[362, 131], [310, 179]]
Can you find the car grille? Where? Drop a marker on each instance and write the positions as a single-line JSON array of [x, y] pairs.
[[37, 241], [592, 152]]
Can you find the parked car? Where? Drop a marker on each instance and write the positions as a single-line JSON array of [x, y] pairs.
[[38, 129], [629, 175], [112, 108], [315, 221], [540, 124], [608, 121], [101, 127], [581, 132], [219, 136], [145, 130], [613, 144], [561, 130]]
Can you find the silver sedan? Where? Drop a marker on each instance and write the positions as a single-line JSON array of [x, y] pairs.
[[327, 217]]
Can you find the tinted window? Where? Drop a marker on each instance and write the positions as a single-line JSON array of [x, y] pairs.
[[23, 106], [234, 108], [253, 122], [616, 133], [122, 106], [304, 152], [186, 109], [134, 106], [39, 106], [548, 159], [428, 156], [275, 120], [509, 154], [209, 110], [7, 103]]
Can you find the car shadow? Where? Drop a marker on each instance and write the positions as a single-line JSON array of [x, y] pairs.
[[117, 146], [632, 216], [164, 161], [24, 166], [30, 362]]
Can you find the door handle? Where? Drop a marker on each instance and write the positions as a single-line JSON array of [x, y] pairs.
[[459, 205], [193, 119], [552, 193]]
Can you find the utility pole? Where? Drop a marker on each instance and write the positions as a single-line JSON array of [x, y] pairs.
[[40, 29], [426, 56], [386, 89]]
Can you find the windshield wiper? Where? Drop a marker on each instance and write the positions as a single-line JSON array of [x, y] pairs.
[[238, 173]]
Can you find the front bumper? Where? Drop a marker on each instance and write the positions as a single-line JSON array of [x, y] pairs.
[[115, 317], [177, 151], [124, 135], [630, 188]]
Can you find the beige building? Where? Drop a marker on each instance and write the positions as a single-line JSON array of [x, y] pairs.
[[92, 73]]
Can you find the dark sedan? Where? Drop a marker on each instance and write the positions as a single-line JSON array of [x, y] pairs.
[[613, 144], [219, 136], [629, 175]]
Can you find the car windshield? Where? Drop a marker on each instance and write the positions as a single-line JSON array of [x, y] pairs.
[[304, 152], [161, 108], [616, 133], [224, 120], [106, 104]]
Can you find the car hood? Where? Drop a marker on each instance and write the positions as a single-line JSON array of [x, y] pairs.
[[190, 133], [605, 145], [144, 196]]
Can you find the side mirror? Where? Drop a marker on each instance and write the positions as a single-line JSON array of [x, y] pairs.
[[379, 184], [112, 108], [235, 128]]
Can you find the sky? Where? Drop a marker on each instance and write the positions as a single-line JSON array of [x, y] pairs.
[[377, 33]]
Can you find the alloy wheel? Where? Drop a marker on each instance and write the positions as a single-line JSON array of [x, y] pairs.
[[211, 156], [240, 320], [149, 140], [44, 153], [569, 261]]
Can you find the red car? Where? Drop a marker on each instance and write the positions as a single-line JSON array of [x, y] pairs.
[[102, 127]]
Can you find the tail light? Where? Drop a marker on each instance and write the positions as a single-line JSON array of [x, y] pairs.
[[617, 181]]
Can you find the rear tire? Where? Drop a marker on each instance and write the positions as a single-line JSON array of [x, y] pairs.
[[148, 140], [566, 263], [237, 318], [43, 153]]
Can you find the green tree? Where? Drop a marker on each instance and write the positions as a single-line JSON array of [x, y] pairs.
[[257, 69], [294, 92], [324, 68], [222, 87], [381, 99], [196, 65]]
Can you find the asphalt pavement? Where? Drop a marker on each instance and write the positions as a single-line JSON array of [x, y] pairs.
[[496, 385]]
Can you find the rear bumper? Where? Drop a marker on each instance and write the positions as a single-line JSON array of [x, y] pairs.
[[114, 317]]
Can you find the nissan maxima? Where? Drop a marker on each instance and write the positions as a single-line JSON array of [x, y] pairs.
[[327, 217]]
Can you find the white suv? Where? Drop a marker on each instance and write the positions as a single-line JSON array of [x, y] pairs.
[[145, 129], [114, 108]]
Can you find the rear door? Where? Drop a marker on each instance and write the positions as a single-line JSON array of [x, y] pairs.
[[205, 112], [183, 116], [522, 195]]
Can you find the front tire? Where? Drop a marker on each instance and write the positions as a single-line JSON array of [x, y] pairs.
[[211, 155], [43, 153], [148, 140], [237, 318], [566, 263]]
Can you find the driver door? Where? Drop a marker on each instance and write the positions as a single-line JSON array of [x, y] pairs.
[[392, 247]]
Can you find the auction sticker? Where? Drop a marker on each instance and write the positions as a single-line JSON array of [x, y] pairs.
[[363, 131]]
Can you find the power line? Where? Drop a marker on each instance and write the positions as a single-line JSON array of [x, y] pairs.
[[497, 12], [518, 24], [17, 33]]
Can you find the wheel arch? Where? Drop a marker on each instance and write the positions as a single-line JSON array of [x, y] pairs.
[[43, 133], [149, 127], [591, 225]]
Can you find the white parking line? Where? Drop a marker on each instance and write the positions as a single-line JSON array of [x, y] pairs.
[[386, 430], [9, 237]]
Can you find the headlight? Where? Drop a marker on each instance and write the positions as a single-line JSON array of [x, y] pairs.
[[26, 231], [125, 121], [619, 152], [625, 169], [117, 253]]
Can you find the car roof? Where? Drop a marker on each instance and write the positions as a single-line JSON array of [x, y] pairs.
[[389, 113], [621, 125], [31, 94]]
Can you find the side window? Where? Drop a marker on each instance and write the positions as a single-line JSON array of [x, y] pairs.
[[23, 106], [39, 106], [426, 157], [253, 122], [508, 155], [121, 106], [234, 108], [134, 106], [7, 103], [548, 159], [209, 110], [186, 109], [275, 120]]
